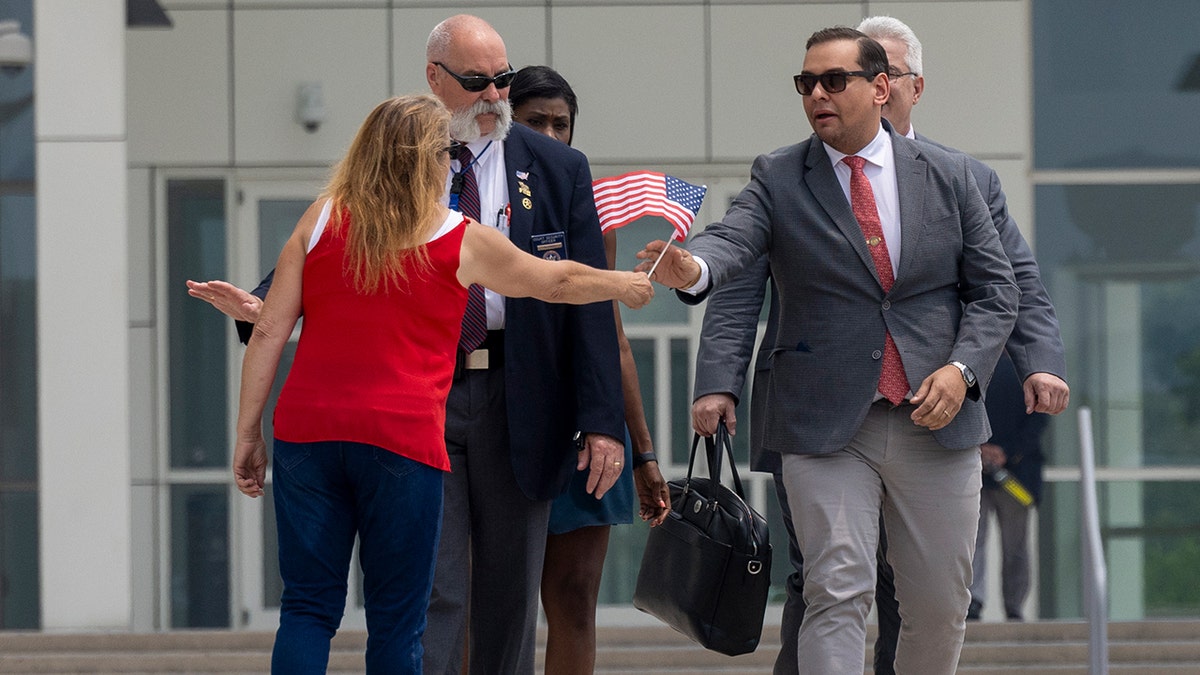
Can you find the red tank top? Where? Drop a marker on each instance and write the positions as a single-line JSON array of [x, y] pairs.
[[376, 368]]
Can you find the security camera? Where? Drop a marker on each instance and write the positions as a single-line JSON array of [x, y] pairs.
[[310, 106], [16, 50]]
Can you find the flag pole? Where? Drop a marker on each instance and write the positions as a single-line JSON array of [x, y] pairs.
[[655, 265], [660, 257]]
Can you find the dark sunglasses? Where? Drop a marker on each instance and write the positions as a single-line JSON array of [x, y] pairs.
[[475, 83], [454, 148], [832, 82]]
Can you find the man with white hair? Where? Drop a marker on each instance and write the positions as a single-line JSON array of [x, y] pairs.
[[541, 374]]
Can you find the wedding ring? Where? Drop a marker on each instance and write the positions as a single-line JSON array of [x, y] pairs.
[[946, 412], [616, 464]]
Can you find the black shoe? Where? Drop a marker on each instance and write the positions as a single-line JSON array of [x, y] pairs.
[[1015, 616], [974, 610]]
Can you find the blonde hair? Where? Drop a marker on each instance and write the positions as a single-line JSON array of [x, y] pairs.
[[391, 182]]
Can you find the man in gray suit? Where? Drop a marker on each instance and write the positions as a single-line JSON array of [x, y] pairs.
[[721, 364], [895, 298]]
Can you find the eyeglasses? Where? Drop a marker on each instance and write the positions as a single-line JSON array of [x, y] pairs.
[[454, 148], [832, 82], [475, 83], [895, 73]]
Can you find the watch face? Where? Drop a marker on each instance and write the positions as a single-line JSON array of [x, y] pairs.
[[968, 376]]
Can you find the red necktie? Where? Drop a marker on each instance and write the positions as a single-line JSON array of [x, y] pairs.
[[474, 325], [893, 383]]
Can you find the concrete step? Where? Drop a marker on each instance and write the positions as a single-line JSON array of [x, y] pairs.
[[1035, 648]]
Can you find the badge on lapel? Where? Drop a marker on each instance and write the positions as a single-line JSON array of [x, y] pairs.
[[527, 200]]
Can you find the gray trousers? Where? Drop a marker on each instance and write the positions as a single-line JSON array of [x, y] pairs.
[[489, 564], [1013, 519], [929, 499]]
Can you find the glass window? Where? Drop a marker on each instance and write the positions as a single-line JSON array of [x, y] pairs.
[[643, 358], [1122, 263], [1151, 534], [1058, 552], [198, 353], [1116, 83], [19, 598], [277, 220], [199, 556], [19, 594], [681, 400]]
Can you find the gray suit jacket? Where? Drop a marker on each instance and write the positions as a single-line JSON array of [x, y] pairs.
[[954, 297], [721, 364]]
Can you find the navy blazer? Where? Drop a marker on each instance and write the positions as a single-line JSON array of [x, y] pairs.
[[562, 370]]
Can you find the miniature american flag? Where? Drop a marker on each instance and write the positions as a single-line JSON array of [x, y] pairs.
[[622, 199]]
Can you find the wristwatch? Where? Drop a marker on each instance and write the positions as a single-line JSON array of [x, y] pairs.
[[967, 373]]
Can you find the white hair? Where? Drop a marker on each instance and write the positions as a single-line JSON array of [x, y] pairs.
[[877, 27], [464, 127]]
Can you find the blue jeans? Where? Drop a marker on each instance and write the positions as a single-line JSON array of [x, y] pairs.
[[325, 494]]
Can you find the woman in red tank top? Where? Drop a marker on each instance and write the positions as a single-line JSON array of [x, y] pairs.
[[379, 268]]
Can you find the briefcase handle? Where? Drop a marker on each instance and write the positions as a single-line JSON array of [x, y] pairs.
[[714, 448]]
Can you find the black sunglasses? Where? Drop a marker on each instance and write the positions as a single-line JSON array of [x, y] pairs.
[[832, 82], [475, 83]]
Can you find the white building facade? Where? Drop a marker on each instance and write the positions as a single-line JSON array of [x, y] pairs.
[[133, 159]]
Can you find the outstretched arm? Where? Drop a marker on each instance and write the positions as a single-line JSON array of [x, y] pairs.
[[488, 258]]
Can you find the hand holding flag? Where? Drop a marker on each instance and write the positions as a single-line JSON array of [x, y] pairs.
[[679, 269]]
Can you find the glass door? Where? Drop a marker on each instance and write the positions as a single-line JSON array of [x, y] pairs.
[[266, 214]]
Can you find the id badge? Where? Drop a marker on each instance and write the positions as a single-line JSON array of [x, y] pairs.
[[550, 246]]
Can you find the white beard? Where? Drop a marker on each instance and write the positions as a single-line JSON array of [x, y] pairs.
[[464, 127]]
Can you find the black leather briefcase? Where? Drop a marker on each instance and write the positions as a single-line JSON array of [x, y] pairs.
[[706, 570]]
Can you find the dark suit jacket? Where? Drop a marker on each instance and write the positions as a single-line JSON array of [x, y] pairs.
[[954, 298], [561, 366], [721, 364], [562, 369]]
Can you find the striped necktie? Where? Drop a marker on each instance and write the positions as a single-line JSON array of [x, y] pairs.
[[474, 325]]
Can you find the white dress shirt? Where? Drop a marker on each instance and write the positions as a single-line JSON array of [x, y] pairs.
[[493, 202]]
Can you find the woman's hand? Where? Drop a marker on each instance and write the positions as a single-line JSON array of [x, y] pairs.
[[250, 464]]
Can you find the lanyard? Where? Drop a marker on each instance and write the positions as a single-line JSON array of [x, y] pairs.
[[456, 183]]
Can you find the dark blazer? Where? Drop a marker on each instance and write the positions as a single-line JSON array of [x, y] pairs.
[[562, 369], [561, 366], [721, 365], [954, 298]]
